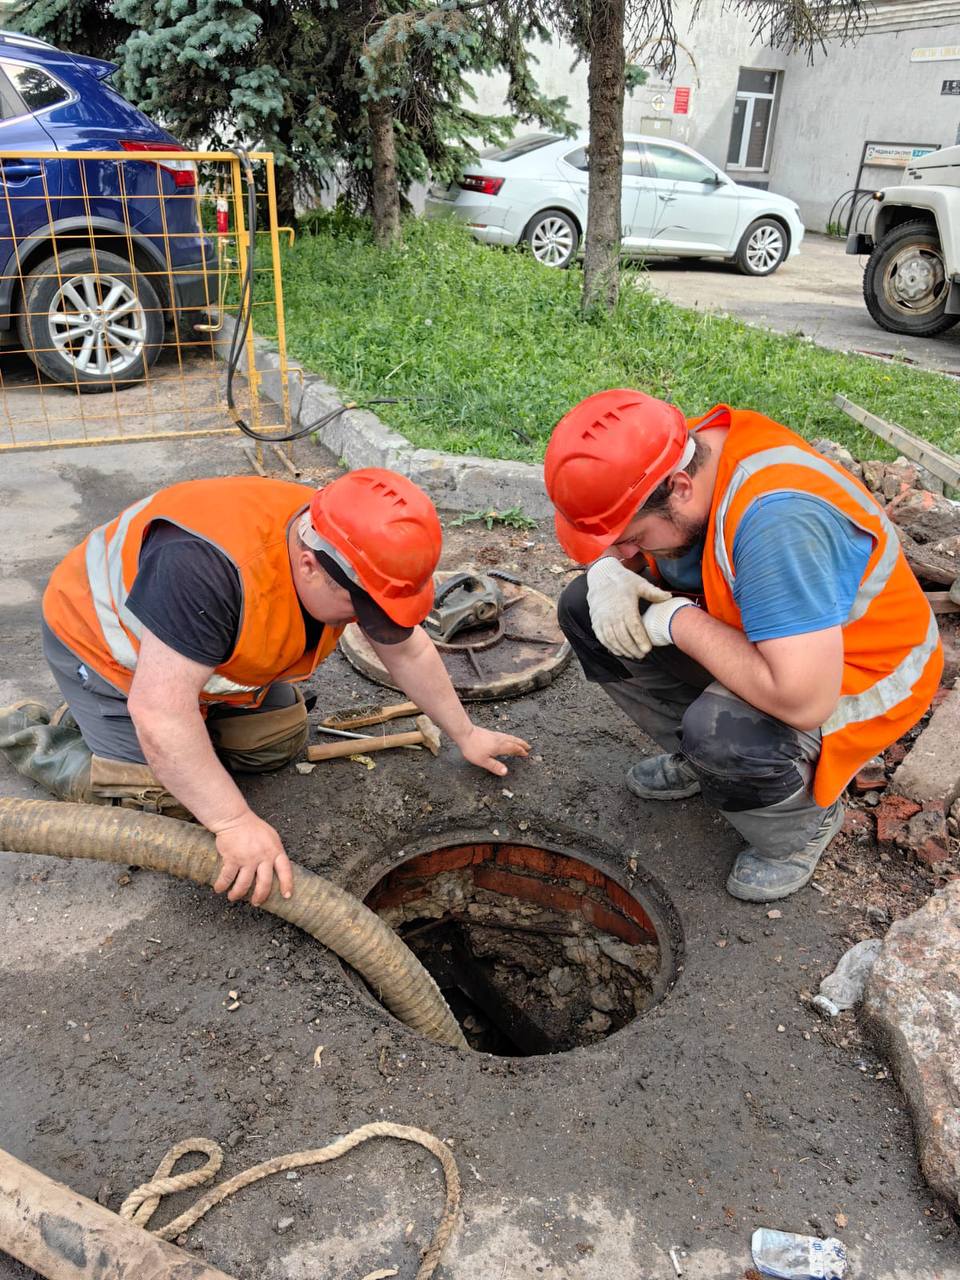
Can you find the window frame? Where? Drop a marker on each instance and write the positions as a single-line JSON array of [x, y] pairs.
[[26, 112], [650, 163]]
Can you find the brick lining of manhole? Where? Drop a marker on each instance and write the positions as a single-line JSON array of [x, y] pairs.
[[537, 949]]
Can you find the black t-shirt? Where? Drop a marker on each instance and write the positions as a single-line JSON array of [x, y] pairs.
[[189, 595]]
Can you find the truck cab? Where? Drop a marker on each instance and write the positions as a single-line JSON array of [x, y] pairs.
[[912, 279]]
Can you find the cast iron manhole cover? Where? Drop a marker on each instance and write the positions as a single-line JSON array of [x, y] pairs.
[[523, 649]]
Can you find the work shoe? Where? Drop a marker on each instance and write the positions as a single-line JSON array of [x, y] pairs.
[[666, 777], [756, 878]]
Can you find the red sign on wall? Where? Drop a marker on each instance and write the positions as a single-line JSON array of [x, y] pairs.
[[681, 101]]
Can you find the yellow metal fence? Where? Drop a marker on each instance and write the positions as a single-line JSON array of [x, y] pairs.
[[121, 277]]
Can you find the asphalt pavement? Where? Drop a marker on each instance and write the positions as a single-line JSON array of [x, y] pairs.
[[817, 293]]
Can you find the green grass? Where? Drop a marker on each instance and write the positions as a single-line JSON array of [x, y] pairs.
[[491, 349]]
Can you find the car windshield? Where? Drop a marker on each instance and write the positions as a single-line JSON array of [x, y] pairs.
[[523, 146]]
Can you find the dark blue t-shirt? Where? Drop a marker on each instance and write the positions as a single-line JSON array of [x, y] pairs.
[[797, 563]]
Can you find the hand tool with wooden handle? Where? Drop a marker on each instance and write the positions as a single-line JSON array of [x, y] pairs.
[[426, 734], [373, 715]]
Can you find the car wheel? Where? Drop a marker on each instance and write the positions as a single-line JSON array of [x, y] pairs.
[[90, 320], [552, 238], [905, 284], [762, 248]]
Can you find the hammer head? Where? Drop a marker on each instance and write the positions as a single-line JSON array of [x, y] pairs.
[[431, 734]]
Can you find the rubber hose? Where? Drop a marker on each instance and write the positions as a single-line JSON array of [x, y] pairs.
[[334, 917]]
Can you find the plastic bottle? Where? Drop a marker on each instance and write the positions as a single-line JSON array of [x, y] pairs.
[[844, 987], [790, 1257]]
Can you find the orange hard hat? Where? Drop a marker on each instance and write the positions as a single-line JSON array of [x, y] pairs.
[[385, 533], [605, 457]]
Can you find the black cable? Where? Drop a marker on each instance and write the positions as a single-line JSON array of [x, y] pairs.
[[242, 326]]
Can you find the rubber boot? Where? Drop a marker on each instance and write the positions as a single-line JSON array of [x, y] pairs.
[[56, 756]]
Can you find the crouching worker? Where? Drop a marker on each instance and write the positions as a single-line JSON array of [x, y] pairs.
[[813, 647], [177, 633]]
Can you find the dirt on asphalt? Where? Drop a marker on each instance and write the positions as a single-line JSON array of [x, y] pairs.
[[728, 1106]]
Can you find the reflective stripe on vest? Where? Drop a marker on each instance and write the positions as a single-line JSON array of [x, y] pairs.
[[105, 574], [888, 692], [878, 577]]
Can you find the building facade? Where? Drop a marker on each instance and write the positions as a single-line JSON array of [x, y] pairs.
[[776, 119]]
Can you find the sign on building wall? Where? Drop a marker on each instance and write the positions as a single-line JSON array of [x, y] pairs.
[[937, 53], [950, 86], [681, 101], [893, 155]]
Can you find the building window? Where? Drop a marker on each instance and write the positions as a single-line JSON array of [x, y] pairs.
[[752, 127]]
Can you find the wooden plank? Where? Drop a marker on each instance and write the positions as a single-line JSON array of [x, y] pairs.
[[941, 464]]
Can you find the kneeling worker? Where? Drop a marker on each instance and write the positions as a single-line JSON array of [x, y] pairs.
[[813, 650], [175, 633]]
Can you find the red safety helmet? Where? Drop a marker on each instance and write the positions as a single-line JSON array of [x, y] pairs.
[[385, 534], [605, 457]]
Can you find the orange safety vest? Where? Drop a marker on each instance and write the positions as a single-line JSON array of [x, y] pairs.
[[892, 655], [247, 519]]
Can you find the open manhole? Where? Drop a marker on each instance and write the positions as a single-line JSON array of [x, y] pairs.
[[535, 948]]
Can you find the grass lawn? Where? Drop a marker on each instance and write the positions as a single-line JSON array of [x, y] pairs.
[[491, 350]]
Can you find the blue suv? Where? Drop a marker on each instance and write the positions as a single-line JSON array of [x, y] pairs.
[[98, 258]]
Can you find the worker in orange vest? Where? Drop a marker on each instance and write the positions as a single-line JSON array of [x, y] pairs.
[[177, 632], [748, 605]]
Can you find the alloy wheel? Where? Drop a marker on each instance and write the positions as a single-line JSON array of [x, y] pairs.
[[98, 324], [764, 249], [552, 242]]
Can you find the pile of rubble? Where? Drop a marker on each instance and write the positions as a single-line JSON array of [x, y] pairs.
[[913, 790]]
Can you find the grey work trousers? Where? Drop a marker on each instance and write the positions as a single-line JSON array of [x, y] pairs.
[[756, 770], [103, 718]]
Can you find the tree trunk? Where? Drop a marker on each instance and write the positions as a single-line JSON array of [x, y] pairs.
[[386, 189], [601, 264]]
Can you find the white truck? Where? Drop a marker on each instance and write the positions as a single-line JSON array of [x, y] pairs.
[[912, 279]]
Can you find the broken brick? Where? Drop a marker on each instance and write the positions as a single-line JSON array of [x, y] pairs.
[[896, 754], [872, 777], [926, 836], [858, 826], [893, 814]]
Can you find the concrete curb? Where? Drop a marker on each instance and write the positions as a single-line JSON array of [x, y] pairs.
[[455, 482]]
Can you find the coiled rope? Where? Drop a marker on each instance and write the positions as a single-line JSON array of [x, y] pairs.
[[141, 1204]]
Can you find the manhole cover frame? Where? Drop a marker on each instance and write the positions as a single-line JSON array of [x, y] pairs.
[[583, 846], [546, 660]]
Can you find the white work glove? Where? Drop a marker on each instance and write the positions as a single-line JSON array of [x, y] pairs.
[[614, 593], [659, 617]]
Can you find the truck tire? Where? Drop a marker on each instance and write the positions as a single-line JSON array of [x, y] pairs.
[[905, 283]]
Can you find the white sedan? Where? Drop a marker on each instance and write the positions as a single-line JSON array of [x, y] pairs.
[[674, 203]]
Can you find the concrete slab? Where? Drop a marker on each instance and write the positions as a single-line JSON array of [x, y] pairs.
[[727, 1107], [931, 772], [818, 293]]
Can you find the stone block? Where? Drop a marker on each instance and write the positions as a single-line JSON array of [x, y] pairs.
[[912, 1007], [893, 814], [926, 836], [873, 470], [925, 516], [931, 772]]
